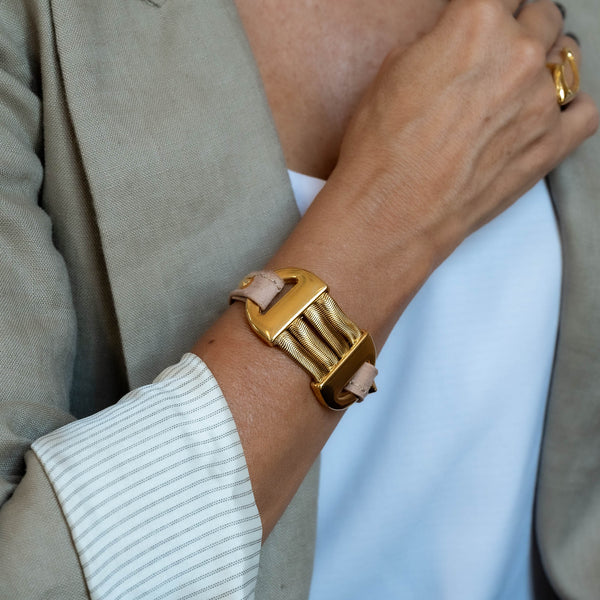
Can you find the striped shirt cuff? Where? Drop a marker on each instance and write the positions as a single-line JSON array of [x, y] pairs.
[[156, 492]]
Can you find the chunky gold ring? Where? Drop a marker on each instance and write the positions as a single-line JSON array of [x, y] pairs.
[[565, 92]]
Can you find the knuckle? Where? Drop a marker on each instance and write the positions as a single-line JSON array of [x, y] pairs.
[[530, 53], [484, 14]]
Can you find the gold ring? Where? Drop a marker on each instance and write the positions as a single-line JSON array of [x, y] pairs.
[[565, 92]]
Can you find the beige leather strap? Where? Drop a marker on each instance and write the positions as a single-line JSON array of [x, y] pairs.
[[262, 289], [361, 382]]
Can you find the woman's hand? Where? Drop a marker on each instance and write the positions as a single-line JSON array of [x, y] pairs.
[[458, 126]]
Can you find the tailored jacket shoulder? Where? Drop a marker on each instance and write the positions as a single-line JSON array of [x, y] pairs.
[[164, 183]]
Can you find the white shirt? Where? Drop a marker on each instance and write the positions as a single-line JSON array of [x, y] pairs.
[[426, 488]]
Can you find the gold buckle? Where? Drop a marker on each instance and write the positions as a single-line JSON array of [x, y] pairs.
[[330, 347], [269, 325], [329, 390]]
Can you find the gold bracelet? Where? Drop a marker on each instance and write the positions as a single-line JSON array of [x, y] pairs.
[[308, 325]]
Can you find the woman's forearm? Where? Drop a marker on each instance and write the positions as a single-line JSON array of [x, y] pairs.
[[281, 424]]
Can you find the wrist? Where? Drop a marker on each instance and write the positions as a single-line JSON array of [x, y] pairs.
[[372, 267]]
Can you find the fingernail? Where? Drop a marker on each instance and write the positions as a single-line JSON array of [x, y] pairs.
[[563, 10], [572, 35]]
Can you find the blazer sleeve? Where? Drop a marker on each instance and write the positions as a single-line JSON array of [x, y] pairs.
[[150, 497], [37, 333]]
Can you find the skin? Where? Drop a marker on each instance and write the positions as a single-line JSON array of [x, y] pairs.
[[317, 59], [450, 130]]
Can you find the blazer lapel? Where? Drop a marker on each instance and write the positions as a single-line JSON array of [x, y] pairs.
[[568, 503], [179, 150]]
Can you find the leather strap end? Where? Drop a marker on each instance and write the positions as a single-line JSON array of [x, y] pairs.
[[362, 381], [262, 289]]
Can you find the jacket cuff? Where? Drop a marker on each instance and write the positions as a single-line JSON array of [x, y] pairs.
[[37, 557]]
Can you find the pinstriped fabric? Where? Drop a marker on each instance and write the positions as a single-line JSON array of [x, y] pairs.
[[156, 492]]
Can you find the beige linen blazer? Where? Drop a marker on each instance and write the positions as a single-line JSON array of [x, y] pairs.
[[140, 178]]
